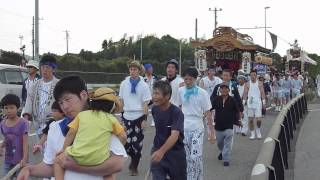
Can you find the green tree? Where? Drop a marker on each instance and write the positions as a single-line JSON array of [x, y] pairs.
[[314, 70]]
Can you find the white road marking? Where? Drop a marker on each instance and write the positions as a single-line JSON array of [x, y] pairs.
[[268, 108], [313, 110]]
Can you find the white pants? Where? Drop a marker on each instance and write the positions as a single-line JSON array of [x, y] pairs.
[[193, 144], [318, 90]]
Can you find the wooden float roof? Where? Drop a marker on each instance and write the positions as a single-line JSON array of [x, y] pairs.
[[227, 39]]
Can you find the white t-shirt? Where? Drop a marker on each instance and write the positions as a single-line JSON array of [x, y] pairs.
[[149, 82], [55, 142], [133, 103], [175, 84], [297, 84], [209, 84], [194, 108]]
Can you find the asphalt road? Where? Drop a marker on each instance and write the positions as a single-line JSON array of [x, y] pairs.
[[243, 157], [307, 152]]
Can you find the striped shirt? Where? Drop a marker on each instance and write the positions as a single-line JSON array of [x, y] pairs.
[[29, 82]]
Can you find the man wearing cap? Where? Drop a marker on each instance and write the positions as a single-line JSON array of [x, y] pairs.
[[33, 68], [226, 77], [175, 81], [226, 116], [40, 95], [135, 96], [150, 79]]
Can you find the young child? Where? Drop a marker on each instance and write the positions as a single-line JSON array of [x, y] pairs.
[[57, 115], [15, 132], [90, 132]]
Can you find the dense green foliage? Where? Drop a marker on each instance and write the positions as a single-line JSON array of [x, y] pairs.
[[115, 55], [314, 70]]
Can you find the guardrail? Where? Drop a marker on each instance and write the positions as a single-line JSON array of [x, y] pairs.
[[272, 160]]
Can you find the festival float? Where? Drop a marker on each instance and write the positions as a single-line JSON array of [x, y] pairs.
[[229, 49], [297, 60]]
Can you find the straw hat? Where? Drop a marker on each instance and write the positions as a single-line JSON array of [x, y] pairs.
[[108, 94]]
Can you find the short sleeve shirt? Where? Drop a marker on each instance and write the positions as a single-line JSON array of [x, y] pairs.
[[91, 144], [297, 84], [55, 142], [165, 122], [287, 85], [133, 103], [277, 85], [175, 84], [13, 140], [194, 108]]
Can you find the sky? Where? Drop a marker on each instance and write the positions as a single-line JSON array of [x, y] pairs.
[[90, 22]]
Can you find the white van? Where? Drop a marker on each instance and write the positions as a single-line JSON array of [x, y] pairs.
[[11, 79]]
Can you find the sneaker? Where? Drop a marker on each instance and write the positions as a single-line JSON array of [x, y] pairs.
[[243, 134], [226, 164], [152, 124], [253, 136], [259, 136], [220, 157]]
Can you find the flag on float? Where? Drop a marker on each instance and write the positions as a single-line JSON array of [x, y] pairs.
[[274, 39]]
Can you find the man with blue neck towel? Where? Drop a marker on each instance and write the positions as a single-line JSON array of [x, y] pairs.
[[195, 106], [135, 96]]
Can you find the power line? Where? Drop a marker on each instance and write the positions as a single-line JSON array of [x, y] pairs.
[[14, 13]]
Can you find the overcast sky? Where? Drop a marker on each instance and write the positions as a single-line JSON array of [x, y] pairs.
[[90, 22]]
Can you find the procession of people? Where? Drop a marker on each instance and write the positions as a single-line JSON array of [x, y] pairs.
[[84, 140]]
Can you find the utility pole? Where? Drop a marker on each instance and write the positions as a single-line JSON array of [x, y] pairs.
[[265, 26], [67, 41], [32, 37], [21, 38], [141, 48], [215, 10], [180, 60], [22, 49], [196, 30], [36, 45]]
